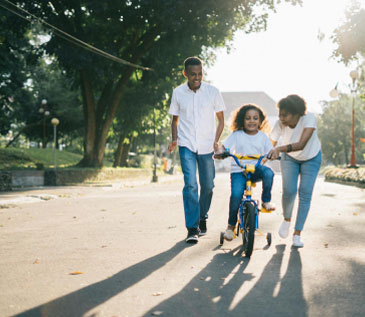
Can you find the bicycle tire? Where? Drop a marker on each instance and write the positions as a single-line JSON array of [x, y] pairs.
[[249, 227]]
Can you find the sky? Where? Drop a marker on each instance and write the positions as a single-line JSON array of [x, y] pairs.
[[287, 58]]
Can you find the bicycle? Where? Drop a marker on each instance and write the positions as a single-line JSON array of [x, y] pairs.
[[248, 220]]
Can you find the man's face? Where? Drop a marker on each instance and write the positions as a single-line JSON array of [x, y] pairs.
[[194, 75]]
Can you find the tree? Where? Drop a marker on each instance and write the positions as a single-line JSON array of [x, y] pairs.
[[137, 31], [350, 35], [334, 129], [16, 55]]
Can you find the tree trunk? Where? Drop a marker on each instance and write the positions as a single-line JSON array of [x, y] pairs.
[[97, 126], [118, 153], [125, 151]]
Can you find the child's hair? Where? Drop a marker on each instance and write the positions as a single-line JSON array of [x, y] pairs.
[[238, 118], [192, 61], [293, 104]]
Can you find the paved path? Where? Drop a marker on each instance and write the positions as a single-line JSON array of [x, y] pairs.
[[119, 251]]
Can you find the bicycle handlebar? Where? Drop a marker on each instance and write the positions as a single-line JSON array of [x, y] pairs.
[[238, 157]]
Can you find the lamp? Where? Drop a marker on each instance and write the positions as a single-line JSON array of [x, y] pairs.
[[43, 110], [354, 74], [55, 123]]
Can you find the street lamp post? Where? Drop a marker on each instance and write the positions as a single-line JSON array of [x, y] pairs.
[[43, 110], [354, 75], [154, 176], [55, 123]]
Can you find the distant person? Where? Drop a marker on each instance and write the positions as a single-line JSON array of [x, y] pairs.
[[194, 106], [301, 159], [248, 137]]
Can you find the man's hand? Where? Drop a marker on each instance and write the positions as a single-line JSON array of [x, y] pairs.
[[172, 146], [216, 147]]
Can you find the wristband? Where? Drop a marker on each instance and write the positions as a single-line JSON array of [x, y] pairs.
[[289, 148]]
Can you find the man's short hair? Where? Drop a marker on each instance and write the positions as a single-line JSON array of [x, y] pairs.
[[192, 61]]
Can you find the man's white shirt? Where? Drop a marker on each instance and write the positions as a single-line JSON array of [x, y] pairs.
[[196, 111]]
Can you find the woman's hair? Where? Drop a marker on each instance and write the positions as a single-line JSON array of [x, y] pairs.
[[293, 104], [238, 118]]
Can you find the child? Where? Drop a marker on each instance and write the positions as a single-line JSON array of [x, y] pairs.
[[248, 138]]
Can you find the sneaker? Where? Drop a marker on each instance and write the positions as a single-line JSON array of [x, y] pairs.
[[268, 207], [229, 235], [284, 229], [203, 227], [192, 236], [297, 242]]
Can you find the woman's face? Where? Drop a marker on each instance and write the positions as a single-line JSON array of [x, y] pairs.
[[288, 119]]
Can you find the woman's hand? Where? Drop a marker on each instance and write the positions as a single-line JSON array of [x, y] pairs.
[[273, 154]]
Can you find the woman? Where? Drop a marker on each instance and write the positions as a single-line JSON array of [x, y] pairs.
[[301, 156]]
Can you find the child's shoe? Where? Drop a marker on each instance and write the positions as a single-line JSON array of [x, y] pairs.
[[268, 207], [297, 242], [228, 235], [284, 229]]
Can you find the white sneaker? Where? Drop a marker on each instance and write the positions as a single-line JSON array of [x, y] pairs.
[[284, 229], [297, 242], [228, 235]]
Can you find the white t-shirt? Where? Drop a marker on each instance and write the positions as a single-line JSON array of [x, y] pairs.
[[289, 136], [196, 111], [242, 143]]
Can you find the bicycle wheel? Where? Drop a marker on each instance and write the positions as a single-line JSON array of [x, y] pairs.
[[249, 226]]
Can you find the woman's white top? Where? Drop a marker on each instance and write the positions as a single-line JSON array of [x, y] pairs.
[[292, 135], [242, 143]]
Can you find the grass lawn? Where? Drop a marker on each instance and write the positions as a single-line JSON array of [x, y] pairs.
[[20, 158]]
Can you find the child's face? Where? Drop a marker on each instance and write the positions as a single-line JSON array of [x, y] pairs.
[[252, 121]]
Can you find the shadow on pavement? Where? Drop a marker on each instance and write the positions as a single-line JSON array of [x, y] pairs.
[[81, 301], [214, 291]]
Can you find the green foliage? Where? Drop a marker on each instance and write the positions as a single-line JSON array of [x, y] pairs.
[[16, 158], [350, 35], [334, 130]]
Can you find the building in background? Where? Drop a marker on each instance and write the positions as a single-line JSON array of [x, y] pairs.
[[234, 100]]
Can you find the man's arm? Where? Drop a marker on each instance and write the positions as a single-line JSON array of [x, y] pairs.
[[220, 127], [174, 123]]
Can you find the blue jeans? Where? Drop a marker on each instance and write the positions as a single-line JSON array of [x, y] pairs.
[[196, 208], [238, 186], [308, 171]]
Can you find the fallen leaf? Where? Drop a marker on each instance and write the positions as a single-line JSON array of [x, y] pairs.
[[196, 289], [326, 245], [157, 313], [157, 294], [36, 261], [134, 212], [76, 273], [103, 246], [171, 227], [355, 213]]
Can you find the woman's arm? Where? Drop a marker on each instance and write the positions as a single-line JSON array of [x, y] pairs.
[[304, 138]]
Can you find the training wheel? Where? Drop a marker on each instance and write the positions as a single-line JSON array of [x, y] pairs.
[[221, 238], [268, 238]]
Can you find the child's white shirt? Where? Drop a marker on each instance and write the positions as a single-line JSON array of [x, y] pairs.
[[242, 143]]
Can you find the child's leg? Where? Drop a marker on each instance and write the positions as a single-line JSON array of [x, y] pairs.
[[265, 174], [238, 184]]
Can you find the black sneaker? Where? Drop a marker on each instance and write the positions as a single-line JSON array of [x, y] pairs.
[[192, 236], [203, 227]]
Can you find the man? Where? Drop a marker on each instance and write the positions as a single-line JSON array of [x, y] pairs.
[[194, 106]]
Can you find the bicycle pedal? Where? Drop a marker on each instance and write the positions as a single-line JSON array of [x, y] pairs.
[[266, 211], [260, 232]]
